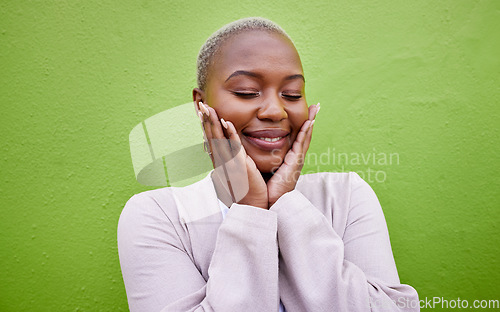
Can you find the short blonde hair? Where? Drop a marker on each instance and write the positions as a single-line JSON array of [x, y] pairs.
[[213, 44]]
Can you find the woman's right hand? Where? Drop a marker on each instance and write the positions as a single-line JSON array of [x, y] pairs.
[[237, 173]]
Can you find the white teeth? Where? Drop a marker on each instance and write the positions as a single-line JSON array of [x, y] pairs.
[[271, 139]]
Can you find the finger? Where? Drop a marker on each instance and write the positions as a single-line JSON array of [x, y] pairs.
[[308, 138], [202, 121], [205, 122], [295, 157], [301, 136], [233, 136], [220, 145], [239, 152], [210, 137], [203, 127], [207, 132], [215, 123], [313, 111], [232, 133], [305, 134]]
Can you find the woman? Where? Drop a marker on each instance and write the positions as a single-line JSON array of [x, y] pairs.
[[253, 235]]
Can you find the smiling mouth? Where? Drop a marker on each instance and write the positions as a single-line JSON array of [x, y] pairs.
[[270, 139], [267, 140]]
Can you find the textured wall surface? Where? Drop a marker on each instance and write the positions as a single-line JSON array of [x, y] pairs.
[[416, 81]]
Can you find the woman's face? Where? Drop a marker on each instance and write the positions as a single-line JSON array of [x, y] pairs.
[[256, 82]]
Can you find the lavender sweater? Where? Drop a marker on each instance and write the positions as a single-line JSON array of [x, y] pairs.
[[322, 247]]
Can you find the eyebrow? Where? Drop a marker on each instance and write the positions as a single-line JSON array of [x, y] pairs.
[[251, 74], [297, 76]]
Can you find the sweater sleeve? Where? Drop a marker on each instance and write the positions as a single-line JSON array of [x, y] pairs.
[[160, 275], [322, 271]]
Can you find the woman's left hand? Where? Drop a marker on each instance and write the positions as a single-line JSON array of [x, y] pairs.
[[285, 178]]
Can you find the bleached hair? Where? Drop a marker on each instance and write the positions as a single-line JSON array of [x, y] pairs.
[[213, 44]]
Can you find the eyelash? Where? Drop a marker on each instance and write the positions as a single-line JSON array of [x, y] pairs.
[[249, 95], [246, 95], [292, 97]]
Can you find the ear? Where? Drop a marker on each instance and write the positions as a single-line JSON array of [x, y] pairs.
[[198, 96]]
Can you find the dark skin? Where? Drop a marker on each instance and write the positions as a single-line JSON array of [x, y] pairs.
[[256, 84]]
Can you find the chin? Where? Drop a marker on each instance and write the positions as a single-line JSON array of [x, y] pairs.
[[266, 168], [268, 164]]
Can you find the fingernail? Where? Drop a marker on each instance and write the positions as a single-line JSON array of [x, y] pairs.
[[202, 108], [201, 116], [310, 125], [223, 122], [206, 111]]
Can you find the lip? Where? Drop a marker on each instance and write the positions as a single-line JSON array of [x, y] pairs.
[[254, 138]]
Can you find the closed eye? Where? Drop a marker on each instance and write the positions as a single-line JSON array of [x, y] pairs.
[[246, 95], [292, 97]]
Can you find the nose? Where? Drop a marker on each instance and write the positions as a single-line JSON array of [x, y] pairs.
[[272, 109]]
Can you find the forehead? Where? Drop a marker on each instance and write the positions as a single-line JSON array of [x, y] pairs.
[[257, 51]]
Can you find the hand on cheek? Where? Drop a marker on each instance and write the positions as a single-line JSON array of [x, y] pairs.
[[285, 178], [236, 176], [237, 172]]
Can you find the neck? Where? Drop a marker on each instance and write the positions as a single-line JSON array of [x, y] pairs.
[[267, 176]]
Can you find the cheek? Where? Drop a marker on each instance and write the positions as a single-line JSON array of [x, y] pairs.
[[237, 113], [298, 115]]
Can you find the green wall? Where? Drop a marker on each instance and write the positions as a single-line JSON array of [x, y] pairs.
[[416, 79]]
